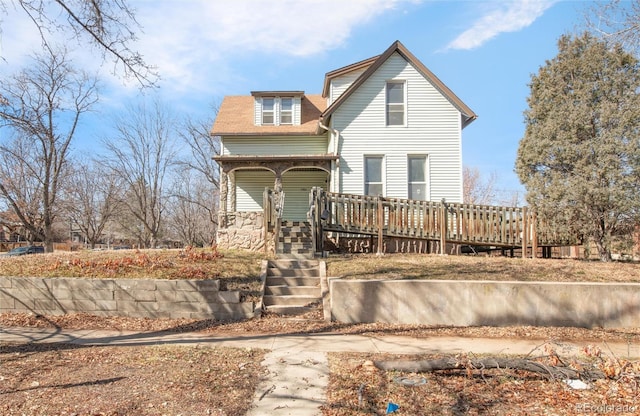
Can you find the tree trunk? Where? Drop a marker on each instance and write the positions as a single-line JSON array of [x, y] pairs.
[[452, 363]]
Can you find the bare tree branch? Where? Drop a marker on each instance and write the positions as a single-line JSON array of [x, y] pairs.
[[109, 25]]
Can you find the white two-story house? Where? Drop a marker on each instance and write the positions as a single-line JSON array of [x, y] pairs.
[[382, 126]]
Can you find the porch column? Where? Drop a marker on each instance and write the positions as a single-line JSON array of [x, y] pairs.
[[232, 191], [277, 188], [224, 191]]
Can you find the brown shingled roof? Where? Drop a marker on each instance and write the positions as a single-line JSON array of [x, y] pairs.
[[236, 118]]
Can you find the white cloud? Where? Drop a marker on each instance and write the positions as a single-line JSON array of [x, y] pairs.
[[189, 40], [509, 16], [194, 43]]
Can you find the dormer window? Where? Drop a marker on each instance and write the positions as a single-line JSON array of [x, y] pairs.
[[268, 111], [286, 110], [277, 108]]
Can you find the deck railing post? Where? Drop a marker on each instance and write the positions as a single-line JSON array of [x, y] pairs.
[[380, 221], [525, 234], [534, 236], [443, 227]]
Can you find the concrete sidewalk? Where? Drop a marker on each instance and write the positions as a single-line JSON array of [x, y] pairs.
[[297, 364]]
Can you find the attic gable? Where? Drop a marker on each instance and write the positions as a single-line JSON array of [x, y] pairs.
[[373, 64]]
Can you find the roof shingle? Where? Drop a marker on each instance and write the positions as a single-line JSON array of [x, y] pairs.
[[236, 118]]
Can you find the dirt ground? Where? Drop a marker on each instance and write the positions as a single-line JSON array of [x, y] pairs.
[[63, 379]]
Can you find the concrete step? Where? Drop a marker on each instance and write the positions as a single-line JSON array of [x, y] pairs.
[[291, 310], [293, 264], [271, 271], [292, 281], [289, 300], [285, 290], [299, 256]]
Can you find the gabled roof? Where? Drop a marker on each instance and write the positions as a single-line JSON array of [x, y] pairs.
[[236, 118], [374, 63], [343, 71]]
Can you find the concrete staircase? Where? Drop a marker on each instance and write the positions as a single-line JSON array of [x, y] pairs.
[[292, 287], [295, 240]]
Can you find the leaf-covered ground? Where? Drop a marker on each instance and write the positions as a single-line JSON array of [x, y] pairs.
[[357, 387], [61, 379], [65, 379]]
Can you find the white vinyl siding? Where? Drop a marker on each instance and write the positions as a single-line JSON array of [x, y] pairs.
[[340, 85], [250, 186], [433, 127], [297, 185], [304, 145]]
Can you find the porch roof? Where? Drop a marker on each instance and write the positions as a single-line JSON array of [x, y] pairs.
[[276, 163]]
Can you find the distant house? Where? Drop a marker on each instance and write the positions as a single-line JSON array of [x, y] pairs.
[[382, 126]]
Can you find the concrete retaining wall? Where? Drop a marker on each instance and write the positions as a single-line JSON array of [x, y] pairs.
[[140, 298], [467, 303]]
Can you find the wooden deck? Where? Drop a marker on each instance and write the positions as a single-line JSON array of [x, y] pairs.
[[446, 223]]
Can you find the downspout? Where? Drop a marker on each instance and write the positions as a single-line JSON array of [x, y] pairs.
[[336, 134]]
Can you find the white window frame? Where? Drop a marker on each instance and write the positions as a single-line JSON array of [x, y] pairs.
[[424, 182], [286, 112], [365, 179], [264, 112], [395, 106]]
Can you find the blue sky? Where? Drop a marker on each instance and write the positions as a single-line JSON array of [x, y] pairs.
[[485, 51]]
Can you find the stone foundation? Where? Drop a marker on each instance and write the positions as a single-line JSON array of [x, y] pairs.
[[243, 231]]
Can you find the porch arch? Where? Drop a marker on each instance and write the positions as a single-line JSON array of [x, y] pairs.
[[278, 165]]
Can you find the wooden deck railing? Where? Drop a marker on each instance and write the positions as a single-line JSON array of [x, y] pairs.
[[502, 227], [273, 205]]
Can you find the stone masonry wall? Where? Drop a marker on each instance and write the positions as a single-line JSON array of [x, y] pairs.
[[243, 231], [139, 298]]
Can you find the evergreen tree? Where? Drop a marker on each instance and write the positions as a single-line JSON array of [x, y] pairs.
[[580, 156]]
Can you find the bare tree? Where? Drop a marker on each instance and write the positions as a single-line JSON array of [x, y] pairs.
[[141, 155], [476, 189], [40, 108], [193, 213], [109, 25], [195, 203], [617, 21], [203, 146], [93, 198]]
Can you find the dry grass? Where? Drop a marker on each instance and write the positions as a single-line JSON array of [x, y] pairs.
[[421, 266], [236, 270]]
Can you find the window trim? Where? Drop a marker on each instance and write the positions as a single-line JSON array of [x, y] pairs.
[[272, 111], [425, 182], [365, 182], [388, 104], [289, 112]]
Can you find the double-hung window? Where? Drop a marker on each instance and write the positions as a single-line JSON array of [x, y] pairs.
[[395, 103], [268, 110], [373, 175], [417, 166], [286, 110]]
